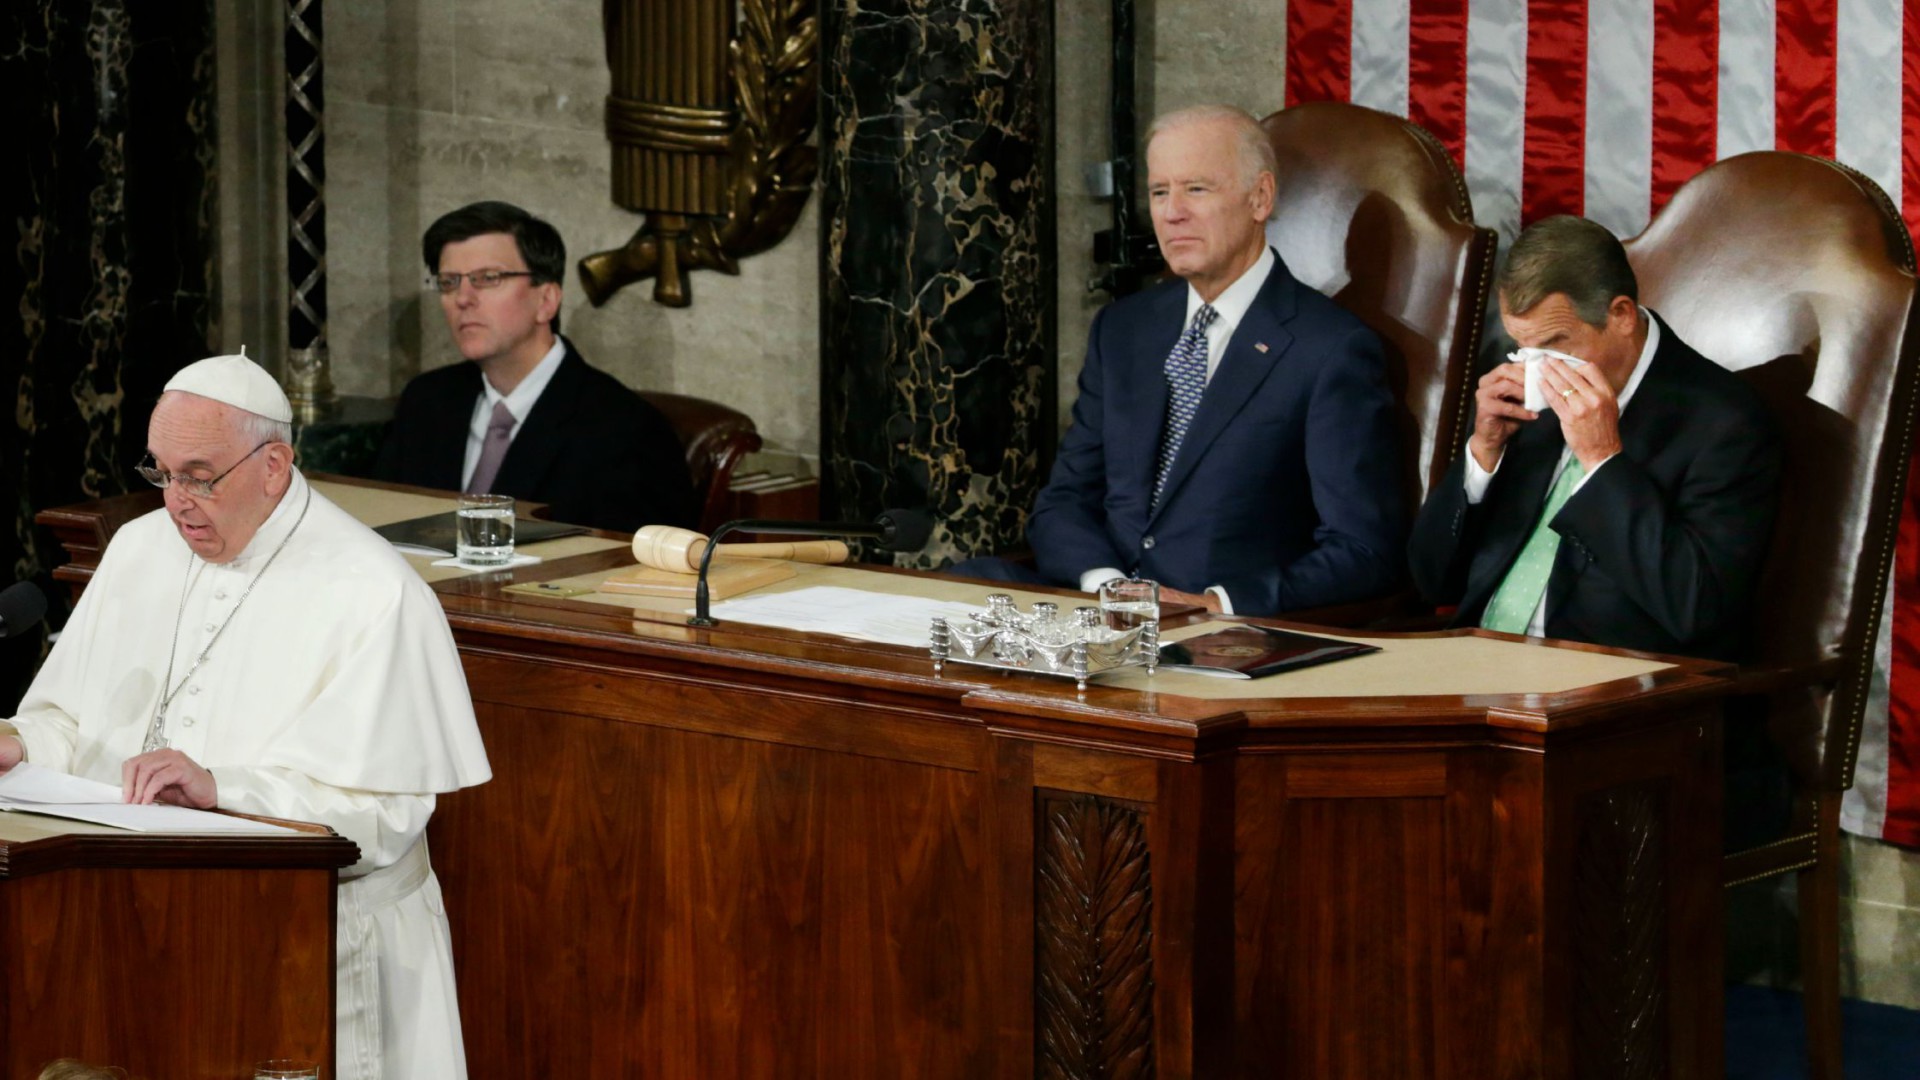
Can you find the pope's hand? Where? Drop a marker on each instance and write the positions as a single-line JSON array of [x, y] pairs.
[[167, 776], [12, 752]]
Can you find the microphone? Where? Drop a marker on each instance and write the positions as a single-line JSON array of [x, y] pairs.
[[22, 606], [896, 530]]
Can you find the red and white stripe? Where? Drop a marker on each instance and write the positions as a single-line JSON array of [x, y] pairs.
[[1604, 108]]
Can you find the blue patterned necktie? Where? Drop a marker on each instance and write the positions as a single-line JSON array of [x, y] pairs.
[[1186, 378]]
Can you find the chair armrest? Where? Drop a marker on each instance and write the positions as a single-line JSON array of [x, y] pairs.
[[1774, 679], [1393, 608]]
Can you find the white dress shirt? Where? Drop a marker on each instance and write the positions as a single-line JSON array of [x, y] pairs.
[[1478, 478], [1229, 310], [519, 402]]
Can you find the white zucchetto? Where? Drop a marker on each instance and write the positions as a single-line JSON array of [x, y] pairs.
[[235, 381]]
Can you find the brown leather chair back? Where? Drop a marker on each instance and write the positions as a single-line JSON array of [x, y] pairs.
[[1371, 211], [1799, 273], [716, 438]]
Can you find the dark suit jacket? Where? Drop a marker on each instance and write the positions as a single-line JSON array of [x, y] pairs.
[[591, 449], [1287, 489], [1659, 550]]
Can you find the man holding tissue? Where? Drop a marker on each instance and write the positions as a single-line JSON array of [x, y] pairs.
[[251, 647], [1632, 508]]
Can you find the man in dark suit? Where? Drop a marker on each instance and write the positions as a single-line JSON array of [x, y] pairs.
[[1233, 438], [528, 417], [1635, 510]]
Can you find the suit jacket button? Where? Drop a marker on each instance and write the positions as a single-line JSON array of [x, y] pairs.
[[1147, 543]]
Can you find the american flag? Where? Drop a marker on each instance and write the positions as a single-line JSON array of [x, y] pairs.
[[1604, 108]]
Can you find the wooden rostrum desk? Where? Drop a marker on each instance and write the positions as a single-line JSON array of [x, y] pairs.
[[170, 956], [758, 853]]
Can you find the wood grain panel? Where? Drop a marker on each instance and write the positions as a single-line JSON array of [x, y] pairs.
[[1116, 776], [167, 972], [818, 718], [1367, 776], [716, 906], [1340, 915]]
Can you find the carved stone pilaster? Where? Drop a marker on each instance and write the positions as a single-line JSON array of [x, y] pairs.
[[1620, 936], [1093, 970]]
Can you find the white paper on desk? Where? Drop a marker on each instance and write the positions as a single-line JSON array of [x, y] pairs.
[[854, 613], [28, 783], [44, 791]]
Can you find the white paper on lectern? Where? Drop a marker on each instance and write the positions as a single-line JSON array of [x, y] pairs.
[[44, 791], [28, 783], [854, 613]]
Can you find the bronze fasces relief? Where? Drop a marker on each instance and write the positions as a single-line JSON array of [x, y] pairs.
[[711, 123]]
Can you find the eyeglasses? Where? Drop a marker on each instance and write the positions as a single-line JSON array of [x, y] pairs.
[[151, 472], [479, 279]]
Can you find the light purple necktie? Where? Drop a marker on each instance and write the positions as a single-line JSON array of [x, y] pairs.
[[493, 449]]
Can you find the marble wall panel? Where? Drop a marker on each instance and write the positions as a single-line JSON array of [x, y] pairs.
[[937, 266], [107, 285]]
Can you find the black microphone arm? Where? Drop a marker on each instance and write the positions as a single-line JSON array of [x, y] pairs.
[[897, 530]]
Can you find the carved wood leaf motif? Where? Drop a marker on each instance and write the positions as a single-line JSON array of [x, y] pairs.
[[1093, 994], [1620, 1005]]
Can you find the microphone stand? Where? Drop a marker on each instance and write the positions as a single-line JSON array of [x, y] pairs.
[[702, 611]]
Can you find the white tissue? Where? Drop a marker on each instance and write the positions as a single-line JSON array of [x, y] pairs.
[[1531, 358]]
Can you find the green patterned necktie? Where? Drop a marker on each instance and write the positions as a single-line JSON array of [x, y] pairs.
[[1514, 603]]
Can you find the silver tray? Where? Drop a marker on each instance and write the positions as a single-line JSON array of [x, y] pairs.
[[1012, 648]]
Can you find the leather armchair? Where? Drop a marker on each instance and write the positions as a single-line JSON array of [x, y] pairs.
[[1799, 273], [1370, 210], [716, 438]]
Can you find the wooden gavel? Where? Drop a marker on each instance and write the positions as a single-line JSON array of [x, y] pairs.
[[664, 547]]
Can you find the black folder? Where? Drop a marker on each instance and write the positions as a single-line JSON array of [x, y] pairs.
[[1252, 651]]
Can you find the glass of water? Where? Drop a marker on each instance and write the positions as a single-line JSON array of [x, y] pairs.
[[1126, 603], [286, 1069], [483, 534]]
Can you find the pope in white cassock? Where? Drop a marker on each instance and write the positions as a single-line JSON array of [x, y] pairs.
[[253, 648]]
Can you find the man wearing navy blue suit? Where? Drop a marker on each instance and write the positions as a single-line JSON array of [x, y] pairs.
[[1234, 437]]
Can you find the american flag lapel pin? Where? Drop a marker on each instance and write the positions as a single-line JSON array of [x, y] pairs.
[[1261, 345]]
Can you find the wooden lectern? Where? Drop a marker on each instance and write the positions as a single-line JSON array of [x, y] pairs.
[[169, 956], [751, 852]]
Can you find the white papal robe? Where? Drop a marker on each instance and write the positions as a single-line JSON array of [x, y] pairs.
[[335, 695]]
